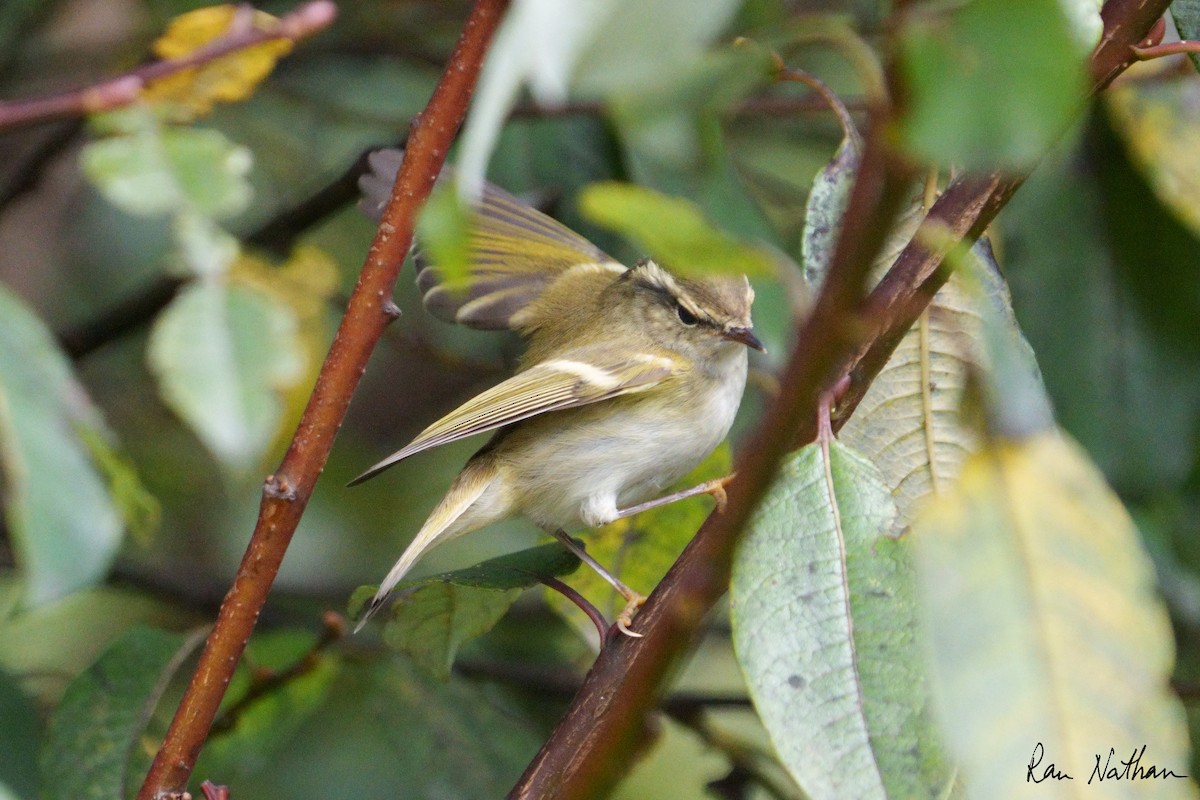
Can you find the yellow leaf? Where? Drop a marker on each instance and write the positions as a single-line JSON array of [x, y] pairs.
[[1048, 643], [192, 92]]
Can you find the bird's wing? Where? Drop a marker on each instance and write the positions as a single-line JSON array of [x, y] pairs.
[[514, 253], [575, 379]]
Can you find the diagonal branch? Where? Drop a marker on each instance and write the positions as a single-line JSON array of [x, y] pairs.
[[286, 492], [599, 735]]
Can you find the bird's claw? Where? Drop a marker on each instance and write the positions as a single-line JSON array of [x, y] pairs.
[[625, 618], [717, 490]]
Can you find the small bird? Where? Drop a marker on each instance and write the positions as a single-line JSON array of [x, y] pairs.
[[632, 376]]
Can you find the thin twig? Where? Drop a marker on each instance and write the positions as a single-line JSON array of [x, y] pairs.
[[287, 491], [1166, 49], [333, 629], [124, 89], [827, 95]]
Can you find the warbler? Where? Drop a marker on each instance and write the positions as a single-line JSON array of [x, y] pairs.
[[631, 377]]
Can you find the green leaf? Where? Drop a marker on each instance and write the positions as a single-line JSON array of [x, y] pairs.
[[438, 613], [209, 169], [154, 170], [1158, 123], [1186, 14], [388, 729], [1106, 353], [20, 737], [992, 84], [139, 509], [435, 620], [223, 352], [1042, 622], [444, 231], [97, 726], [826, 205], [514, 571], [206, 250], [1014, 397], [51, 644], [64, 527], [1148, 186], [824, 624], [672, 230]]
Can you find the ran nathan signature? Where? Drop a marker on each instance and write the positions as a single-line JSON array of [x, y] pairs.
[[1130, 769]]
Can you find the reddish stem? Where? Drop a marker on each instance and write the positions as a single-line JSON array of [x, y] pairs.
[[286, 493], [579, 600], [1167, 49]]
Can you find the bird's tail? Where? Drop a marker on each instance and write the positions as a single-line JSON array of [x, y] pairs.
[[452, 517]]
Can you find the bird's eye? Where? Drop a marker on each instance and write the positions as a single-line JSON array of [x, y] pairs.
[[685, 316]]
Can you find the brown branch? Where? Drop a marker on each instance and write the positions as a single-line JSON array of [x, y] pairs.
[[600, 733], [286, 492], [124, 89], [1127, 24]]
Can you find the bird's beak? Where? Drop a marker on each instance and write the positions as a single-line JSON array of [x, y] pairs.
[[745, 336]]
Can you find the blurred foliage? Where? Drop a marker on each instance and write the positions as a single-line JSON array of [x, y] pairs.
[[170, 286]]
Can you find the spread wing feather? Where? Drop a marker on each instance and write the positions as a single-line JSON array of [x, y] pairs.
[[515, 250], [576, 379]]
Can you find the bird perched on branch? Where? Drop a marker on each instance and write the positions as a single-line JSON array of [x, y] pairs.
[[631, 378]]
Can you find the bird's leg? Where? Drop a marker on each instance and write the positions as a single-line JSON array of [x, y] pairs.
[[633, 600], [714, 487]]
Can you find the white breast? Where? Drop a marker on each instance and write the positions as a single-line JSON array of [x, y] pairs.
[[597, 462]]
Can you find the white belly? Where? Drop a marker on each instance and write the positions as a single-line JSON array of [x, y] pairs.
[[597, 462]]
